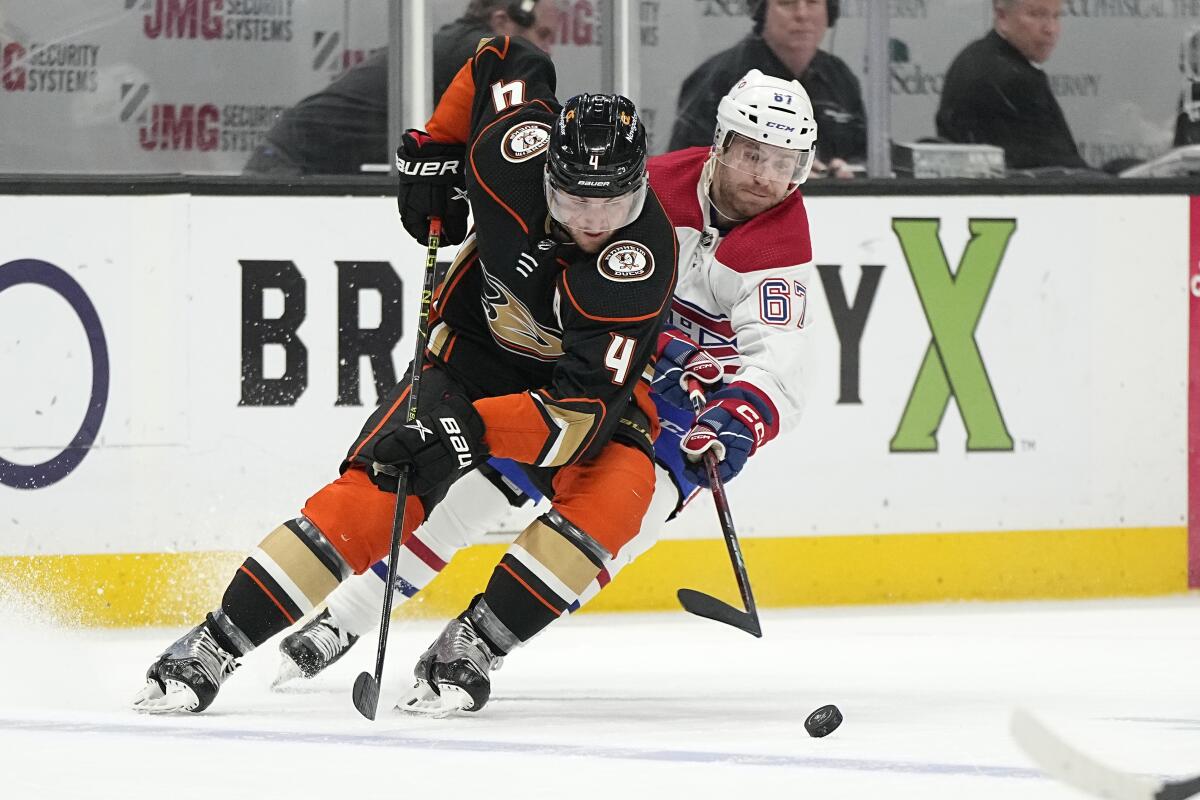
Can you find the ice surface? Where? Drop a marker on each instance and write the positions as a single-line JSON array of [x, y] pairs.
[[632, 706]]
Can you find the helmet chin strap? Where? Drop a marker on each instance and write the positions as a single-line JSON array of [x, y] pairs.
[[558, 231], [706, 178]]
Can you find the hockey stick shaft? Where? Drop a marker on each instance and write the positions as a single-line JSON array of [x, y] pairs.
[[725, 516], [366, 693], [1178, 790], [1060, 760]]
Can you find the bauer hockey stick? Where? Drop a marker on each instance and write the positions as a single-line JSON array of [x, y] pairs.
[[1059, 760], [366, 686], [698, 603]]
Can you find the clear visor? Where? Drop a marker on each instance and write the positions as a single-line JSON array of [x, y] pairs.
[[594, 214], [765, 161]]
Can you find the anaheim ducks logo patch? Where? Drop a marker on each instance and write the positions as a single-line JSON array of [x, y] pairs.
[[625, 261], [524, 141]]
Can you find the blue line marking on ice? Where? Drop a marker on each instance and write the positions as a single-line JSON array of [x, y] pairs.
[[522, 748]]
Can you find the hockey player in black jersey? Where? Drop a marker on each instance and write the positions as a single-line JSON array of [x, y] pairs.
[[540, 334]]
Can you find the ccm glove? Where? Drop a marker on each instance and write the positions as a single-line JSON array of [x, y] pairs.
[[432, 184], [733, 425], [678, 359], [436, 447]]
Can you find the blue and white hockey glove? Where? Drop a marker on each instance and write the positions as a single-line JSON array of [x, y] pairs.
[[735, 422], [678, 359]]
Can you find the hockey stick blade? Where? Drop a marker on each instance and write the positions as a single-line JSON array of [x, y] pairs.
[[1059, 760], [366, 695], [709, 607]]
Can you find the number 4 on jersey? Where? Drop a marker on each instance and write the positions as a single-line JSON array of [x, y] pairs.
[[619, 357]]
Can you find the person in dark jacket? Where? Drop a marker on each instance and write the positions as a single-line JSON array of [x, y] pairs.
[[784, 43], [338, 129], [1187, 124], [996, 93]]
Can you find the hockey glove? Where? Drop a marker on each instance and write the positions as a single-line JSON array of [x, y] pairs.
[[437, 447], [733, 425], [678, 359], [432, 184]]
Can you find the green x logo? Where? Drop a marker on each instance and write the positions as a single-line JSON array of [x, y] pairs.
[[953, 304]]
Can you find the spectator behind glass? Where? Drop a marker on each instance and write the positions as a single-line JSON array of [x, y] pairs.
[[785, 43], [344, 126], [996, 93], [1187, 124]]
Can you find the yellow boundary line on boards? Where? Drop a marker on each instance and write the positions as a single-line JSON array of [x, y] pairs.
[[128, 590]]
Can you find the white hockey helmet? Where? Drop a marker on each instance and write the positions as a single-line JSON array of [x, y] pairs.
[[774, 113]]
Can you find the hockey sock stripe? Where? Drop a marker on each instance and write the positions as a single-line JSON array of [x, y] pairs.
[[593, 550], [279, 583], [422, 551], [290, 615], [289, 590], [543, 573], [526, 582], [254, 605], [561, 555], [404, 587], [295, 567], [413, 569], [516, 605], [322, 549]]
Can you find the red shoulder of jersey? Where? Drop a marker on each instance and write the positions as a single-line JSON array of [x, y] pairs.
[[674, 178], [774, 239]]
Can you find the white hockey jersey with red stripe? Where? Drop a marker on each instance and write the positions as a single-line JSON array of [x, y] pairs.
[[741, 296]]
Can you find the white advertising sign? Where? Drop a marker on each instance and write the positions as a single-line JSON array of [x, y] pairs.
[[181, 373]]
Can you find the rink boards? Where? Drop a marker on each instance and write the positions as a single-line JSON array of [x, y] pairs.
[[999, 402]]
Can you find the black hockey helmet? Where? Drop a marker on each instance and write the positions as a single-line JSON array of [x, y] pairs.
[[597, 147], [596, 164]]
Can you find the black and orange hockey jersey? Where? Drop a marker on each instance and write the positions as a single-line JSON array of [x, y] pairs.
[[551, 341]]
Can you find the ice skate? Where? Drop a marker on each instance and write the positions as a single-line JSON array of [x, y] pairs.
[[311, 649], [452, 675], [187, 676]]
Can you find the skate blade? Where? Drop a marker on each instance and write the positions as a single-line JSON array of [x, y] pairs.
[[423, 700], [177, 698], [288, 672]]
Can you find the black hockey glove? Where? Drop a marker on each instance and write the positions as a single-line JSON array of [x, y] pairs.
[[432, 184], [437, 447]]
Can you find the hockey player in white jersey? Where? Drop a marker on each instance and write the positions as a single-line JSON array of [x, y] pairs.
[[738, 324]]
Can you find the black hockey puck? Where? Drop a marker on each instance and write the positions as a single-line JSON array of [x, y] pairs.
[[823, 721]]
